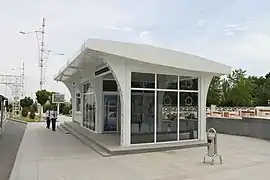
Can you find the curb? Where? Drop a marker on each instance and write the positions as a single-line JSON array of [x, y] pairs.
[[17, 120]]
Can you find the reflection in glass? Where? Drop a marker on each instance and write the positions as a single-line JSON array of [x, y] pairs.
[[167, 114], [89, 111], [188, 83], [142, 80], [87, 88], [142, 116], [85, 116], [167, 82], [110, 112], [109, 85], [78, 101], [188, 115]]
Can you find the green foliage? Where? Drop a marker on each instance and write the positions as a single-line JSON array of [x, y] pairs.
[[34, 107], [9, 108], [32, 114], [49, 106], [66, 108], [24, 112], [214, 93], [238, 89], [26, 102], [43, 96]]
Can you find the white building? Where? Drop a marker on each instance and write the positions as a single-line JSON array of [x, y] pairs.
[[142, 93]]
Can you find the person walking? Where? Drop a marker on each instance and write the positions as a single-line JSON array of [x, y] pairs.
[[48, 119], [53, 117]]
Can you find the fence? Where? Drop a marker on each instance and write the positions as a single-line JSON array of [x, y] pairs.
[[246, 126]]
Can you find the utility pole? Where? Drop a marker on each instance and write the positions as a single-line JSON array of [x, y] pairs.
[[42, 54], [22, 79], [40, 35]]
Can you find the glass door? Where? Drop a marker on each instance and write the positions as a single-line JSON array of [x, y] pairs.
[[110, 112]]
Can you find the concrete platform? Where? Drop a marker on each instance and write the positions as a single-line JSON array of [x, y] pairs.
[[109, 144], [44, 155]]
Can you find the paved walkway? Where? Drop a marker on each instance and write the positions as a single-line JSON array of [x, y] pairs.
[[47, 155]]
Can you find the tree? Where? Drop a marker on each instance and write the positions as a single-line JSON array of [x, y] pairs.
[[10, 108], [43, 96], [267, 75], [263, 93], [238, 89], [26, 103], [34, 107], [214, 92], [66, 109]]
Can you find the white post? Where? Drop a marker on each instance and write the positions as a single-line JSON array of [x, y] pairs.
[[58, 108]]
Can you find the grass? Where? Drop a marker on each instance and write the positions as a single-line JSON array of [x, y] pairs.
[[28, 119]]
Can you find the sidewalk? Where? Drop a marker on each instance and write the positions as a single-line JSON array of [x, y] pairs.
[[47, 155]]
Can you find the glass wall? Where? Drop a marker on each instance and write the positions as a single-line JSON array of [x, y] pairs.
[[142, 116], [89, 107], [163, 108]]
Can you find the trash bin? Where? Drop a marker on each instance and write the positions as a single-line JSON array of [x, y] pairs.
[[212, 146]]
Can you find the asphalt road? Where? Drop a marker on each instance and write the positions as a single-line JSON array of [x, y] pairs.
[[9, 145]]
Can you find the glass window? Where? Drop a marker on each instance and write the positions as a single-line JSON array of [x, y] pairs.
[[188, 83], [85, 108], [167, 82], [109, 85], [142, 116], [167, 114], [89, 111], [87, 88], [188, 115], [78, 101], [142, 80]]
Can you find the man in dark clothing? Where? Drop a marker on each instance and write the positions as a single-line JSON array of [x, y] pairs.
[[48, 120], [53, 116]]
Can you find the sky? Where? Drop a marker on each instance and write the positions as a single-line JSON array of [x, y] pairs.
[[233, 32]]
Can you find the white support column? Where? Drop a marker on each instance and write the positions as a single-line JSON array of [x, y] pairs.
[[72, 91], [126, 113], [122, 76], [97, 86], [204, 85]]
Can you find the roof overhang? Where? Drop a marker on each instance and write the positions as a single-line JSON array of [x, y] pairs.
[[143, 53]]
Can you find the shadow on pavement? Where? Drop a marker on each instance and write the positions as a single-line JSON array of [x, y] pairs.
[[9, 145]]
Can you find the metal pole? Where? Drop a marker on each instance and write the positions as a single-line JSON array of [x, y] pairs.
[[58, 108], [42, 53], [2, 112]]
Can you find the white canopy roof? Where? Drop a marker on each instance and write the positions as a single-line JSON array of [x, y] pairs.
[[153, 55]]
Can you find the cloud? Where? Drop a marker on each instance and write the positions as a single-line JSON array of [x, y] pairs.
[[144, 33], [125, 29], [231, 29], [146, 37], [253, 47], [228, 32], [201, 23]]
